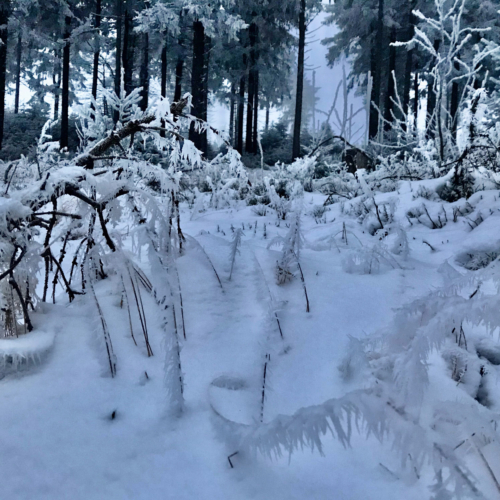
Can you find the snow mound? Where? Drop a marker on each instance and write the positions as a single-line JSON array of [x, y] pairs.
[[232, 398], [18, 354]]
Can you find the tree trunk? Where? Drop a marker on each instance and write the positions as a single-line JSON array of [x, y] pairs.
[[391, 86], [454, 102], [249, 142], [163, 84], [431, 98], [439, 122], [64, 141], [376, 69], [256, 94], [206, 74], [256, 113], [232, 102], [18, 72], [56, 80], [97, 50], [118, 54], [128, 51], [4, 18], [197, 81], [144, 75], [250, 102], [267, 115], [241, 109], [104, 100], [179, 69], [300, 81], [408, 65], [416, 99]]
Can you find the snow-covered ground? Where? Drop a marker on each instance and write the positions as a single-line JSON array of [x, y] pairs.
[[70, 431]]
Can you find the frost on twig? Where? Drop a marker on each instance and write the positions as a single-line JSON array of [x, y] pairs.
[[235, 249]]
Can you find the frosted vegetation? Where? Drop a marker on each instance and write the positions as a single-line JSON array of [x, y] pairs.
[[164, 311]]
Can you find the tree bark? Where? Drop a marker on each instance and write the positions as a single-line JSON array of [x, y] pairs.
[[416, 99], [4, 19], [376, 69], [431, 98], [179, 66], [391, 87], [56, 80], [104, 100], [97, 49], [118, 54], [232, 102], [64, 141], [128, 51], [454, 102], [250, 102], [163, 84], [206, 74], [179, 69], [256, 113], [300, 81], [197, 81], [112, 140], [408, 65], [144, 74], [249, 142], [241, 109], [256, 94], [18, 71]]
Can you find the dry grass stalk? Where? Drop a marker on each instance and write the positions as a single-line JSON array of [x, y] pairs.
[[107, 336], [140, 310]]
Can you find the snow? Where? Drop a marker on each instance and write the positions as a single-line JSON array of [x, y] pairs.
[[70, 430], [24, 351]]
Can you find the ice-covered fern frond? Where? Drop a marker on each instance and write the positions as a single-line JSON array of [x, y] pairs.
[[369, 412], [307, 427]]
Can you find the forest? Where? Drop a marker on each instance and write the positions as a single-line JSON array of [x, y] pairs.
[[245, 249]]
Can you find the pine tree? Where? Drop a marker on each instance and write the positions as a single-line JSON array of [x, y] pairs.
[[4, 20]]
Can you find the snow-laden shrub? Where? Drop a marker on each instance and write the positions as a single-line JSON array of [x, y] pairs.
[[368, 260], [226, 179], [426, 193], [281, 201], [318, 213], [76, 219], [418, 163], [434, 217], [260, 210], [478, 259], [339, 186], [371, 214]]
